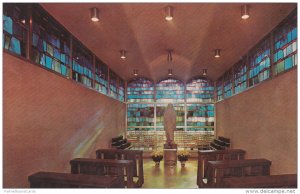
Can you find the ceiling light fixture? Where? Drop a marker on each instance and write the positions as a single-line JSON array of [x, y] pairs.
[[217, 53], [135, 72], [204, 72], [94, 14], [169, 57], [123, 54], [170, 72], [245, 12], [169, 13]]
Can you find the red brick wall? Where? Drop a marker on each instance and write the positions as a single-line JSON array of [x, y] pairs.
[[49, 120]]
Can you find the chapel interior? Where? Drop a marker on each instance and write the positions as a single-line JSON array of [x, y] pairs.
[[150, 95]]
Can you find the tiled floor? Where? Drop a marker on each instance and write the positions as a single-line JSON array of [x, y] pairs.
[[170, 177]]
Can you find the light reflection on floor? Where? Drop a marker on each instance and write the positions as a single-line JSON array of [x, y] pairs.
[[170, 177]]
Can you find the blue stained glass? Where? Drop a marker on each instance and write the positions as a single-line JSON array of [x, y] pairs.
[[42, 60], [294, 33], [35, 39], [15, 46], [66, 49], [63, 69], [56, 54], [280, 54], [289, 50], [49, 62], [63, 58], [275, 57], [277, 45], [17, 29], [7, 24], [288, 63], [44, 46], [289, 37]]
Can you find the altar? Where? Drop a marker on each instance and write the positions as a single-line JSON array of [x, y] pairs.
[[170, 154]]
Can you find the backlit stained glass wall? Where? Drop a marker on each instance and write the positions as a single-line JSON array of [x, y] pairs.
[[101, 76], [285, 43], [194, 112], [15, 27]]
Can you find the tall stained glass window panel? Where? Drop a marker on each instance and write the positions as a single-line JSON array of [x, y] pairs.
[[220, 89], [259, 61], [82, 64], [200, 115], [101, 75], [200, 90], [180, 111], [113, 84], [227, 80], [170, 90], [15, 28], [121, 90], [140, 90], [140, 115], [50, 44], [285, 40], [240, 77]]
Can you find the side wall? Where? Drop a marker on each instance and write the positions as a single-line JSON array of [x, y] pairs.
[[48, 120], [263, 121]]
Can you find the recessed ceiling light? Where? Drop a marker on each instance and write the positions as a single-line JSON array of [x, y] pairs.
[[170, 72], [135, 72], [204, 72], [94, 14]]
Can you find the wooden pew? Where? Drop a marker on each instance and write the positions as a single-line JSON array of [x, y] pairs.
[[135, 155], [66, 180], [122, 168], [273, 181], [238, 168], [212, 155]]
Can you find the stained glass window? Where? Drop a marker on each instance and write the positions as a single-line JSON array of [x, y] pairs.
[[200, 90], [121, 90], [240, 77], [82, 65], [140, 115], [220, 89], [200, 115], [170, 90], [285, 40], [101, 75], [15, 27], [113, 81], [259, 60], [179, 109], [50, 45], [227, 80], [140, 90]]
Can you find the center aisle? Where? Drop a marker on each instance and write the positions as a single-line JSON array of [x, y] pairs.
[[170, 177]]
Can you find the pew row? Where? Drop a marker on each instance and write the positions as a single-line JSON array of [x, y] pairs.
[[212, 155], [273, 181], [135, 155], [66, 180], [217, 170], [121, 168]]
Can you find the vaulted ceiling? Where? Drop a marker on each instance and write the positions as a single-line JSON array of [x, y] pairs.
[[195, 32]]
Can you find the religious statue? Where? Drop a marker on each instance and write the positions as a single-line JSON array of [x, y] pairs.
[[170, 123]]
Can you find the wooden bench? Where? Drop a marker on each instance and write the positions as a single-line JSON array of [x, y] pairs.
[[135, 155], [212, 155], [66, 180], [122, 168], [238, 168], [273, 181]]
